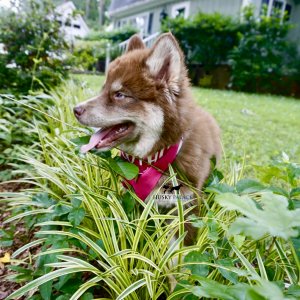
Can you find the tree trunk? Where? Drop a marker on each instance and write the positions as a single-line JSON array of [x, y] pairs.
[[87, 8], [101, 12]]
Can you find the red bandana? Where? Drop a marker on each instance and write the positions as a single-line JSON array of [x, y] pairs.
[[151, 171]]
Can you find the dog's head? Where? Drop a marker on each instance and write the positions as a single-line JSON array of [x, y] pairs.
[[137, 109]]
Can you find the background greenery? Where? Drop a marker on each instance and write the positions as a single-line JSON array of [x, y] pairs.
[[261, 58], [35, 49]]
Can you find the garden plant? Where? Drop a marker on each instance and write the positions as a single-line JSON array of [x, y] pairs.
[[93, 241]]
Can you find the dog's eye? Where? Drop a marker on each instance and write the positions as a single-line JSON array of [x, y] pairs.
[[119, 96]]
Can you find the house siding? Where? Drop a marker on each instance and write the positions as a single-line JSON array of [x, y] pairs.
[[231, 8], [295, 19], [228, 7]]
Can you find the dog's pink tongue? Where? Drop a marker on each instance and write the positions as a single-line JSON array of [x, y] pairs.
[[94, 140]]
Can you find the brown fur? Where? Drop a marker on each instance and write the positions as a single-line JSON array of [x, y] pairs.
[[167, 88]]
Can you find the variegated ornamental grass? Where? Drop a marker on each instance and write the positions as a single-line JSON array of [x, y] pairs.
[[113, 246]]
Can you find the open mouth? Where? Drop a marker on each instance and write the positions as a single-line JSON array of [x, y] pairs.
[[108, 136]]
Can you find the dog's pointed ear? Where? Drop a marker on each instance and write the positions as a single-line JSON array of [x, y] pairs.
[[134, 43], [165, 59]]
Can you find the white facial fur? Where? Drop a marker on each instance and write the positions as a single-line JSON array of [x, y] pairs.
[[150, 127], [148, 124]]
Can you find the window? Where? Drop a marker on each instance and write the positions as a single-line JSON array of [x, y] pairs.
[[181, 10], [150, 23], [139, 22], [76, 26], [277, 5]]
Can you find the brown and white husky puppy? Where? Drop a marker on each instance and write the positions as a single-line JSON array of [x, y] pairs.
[[146, 105]]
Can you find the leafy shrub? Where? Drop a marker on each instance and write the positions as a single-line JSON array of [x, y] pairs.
[[114, 36], [263, 56], [17, 134], [206, 39], [91, 55], [34, 45], [112, 245]]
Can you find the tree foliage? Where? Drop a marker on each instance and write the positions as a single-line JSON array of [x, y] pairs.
[[34, 46]]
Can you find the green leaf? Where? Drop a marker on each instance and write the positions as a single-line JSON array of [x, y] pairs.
[[231, 276], [63, 280], [82, 140], [213, 227], [266, 290], [295, 192], [212, 289], [128, 202], [76, 216], [76, 202], [294, 290], [46, 290], [196, 221], [87, 296], [124, 168], [199, 262], [248, 186], [63, 297], [61, 210], [274, 218], [43, 200], [6, 242], [219, 188], [102, 154]]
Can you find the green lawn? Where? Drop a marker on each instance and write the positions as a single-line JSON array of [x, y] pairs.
[[254, 127]]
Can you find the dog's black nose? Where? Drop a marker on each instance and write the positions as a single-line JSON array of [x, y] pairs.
[[78, 111]]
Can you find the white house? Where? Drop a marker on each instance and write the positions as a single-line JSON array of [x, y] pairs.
[[72, 26], [146, 15]]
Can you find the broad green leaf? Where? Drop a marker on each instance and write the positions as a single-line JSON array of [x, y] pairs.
[[220, 188], [6, 242], [87, 296], [124, 168], [62, 297], [274, 218], [267, 290], [198, 263], [76, 202], [227, 262], [76, 216], [213, 227], [128, 202], [82, 140], [295, 192], [61, 210], [294, 290], [46, 290], [43, 200], [212, 289], [196, 221], [248, 186]]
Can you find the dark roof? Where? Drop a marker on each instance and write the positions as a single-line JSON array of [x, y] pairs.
[[117, 4]]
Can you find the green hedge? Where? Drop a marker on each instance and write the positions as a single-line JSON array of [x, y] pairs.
[[260, 56], [206, 39]]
